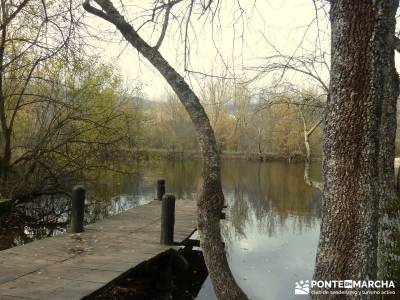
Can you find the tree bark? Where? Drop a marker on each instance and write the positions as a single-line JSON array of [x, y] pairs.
[[5, 158], [389, 205], [210, 198], [358, 178]]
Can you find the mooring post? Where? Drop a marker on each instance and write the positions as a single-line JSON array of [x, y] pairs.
[[160, 189], [78, 208], [167, 219]]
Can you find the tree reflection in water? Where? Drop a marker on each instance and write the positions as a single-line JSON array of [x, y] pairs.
[[267, 194], [273, 216], [273, 227]]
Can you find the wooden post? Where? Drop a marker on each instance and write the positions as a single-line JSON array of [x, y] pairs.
[[160, 189], [78, 208], [167, 219]]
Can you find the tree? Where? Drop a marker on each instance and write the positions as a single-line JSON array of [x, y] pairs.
[[243, 114], [360, 125], [75, 121], [308, 105], [216, 95], [210, 198], [169, 126], [31, 33], [312, 65]]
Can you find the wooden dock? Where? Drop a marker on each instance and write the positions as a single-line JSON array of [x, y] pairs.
[[71, 266]]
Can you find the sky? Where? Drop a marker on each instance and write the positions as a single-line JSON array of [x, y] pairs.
[[265, 28]]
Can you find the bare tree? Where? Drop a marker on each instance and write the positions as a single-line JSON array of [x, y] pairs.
[[216, 94], [307, 133], [210, 196], [309, 105], [242, 103]]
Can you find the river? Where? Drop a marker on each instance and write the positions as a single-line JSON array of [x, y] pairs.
[[271, 233]]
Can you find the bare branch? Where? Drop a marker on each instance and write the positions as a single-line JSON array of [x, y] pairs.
[[7, 20], [164, 28]]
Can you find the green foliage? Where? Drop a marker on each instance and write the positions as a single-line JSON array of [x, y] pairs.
[[77, 118]]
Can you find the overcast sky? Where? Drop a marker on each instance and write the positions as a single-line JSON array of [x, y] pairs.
[[281, 23]]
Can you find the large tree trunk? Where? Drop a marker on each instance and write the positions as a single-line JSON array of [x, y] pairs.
[[389, 205], [210, 195], [356, 158]]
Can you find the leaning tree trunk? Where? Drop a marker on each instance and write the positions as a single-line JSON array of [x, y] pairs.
[[359, 109], [210, 196]]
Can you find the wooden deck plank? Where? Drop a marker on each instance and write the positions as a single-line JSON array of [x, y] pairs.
[[73, 266]]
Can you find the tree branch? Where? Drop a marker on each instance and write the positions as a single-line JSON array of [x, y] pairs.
[[309, 132], [13, 15], [164, 28]]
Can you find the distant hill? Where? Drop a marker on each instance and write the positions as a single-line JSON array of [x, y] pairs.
[[146, 103]]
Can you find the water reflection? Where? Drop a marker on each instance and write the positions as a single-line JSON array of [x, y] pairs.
[[272, 228], [267, 195], [267, 267]]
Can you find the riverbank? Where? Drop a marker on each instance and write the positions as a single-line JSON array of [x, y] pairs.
[[168, 154]]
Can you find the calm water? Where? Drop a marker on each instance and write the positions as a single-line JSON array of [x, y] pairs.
[[273, 223]]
